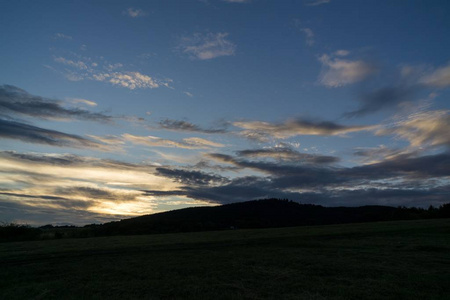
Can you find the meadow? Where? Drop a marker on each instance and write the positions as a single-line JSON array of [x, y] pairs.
[[383, 260]]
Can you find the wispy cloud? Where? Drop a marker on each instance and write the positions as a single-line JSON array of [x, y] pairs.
[[338, 72], [134, 12], [82, 101], [309, 34], [382, 98], [179, 125], [438, 78], [207, 46], [423, 129], [33, 134], [295, 127], [81, 189], [317, 2], [237, 1], [187, 143], [15, 101], [62, 36], [287, 154]]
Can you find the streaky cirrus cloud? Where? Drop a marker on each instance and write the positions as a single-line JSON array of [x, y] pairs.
[[287, 154], [179, 125], [411, 81], [37, 135], [16, 101], [295, 127], [338, 72], [423, 129], [237, 1], [317, 2], [187, 143], [207, 46]]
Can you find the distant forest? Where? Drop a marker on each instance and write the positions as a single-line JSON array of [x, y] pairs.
[[264, 213]]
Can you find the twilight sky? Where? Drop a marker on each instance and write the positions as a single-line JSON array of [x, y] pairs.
[[113, 109]]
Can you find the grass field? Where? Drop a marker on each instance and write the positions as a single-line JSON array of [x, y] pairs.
[[387, 260]]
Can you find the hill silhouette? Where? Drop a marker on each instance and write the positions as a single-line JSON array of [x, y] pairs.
[[261, 214]]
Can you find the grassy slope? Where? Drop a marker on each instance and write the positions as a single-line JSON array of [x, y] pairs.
[[388, 260]]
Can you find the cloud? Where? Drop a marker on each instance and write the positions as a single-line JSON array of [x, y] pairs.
[[134, 12], [286, 154], [76, 64], [76, 186], [82, 101], [309, 34], [423, 129], [237, 1], [184, 126], [191, 177], [85, 69], [439, 78], [62, 36], [381, 99], [317, 2], [338, 72], [15, 101], [187, 143], [188, 94], [130, 80], [32, 134], [294, 127], [207, 46]]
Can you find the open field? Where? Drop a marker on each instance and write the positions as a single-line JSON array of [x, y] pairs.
[[386, 260]]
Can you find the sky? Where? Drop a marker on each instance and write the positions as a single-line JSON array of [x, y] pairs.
[[115, 109]]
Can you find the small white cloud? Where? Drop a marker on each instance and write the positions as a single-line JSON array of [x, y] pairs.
[[83, 48], [207, 46], [306, 31], [77, 64], [188, 94], [309, 35], [82, 101], [134, 12], [85, 69], [62, 36], [340, 72], [342, 53], [130, 80]]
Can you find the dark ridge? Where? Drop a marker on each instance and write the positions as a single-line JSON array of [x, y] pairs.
[[263, 214]]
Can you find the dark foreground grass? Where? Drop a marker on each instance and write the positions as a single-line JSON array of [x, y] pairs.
[[389, 260]]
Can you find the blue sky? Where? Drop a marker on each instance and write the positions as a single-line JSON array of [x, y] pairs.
[[112, 109]]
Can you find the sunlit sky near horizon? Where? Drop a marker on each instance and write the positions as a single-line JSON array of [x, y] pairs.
[[114, 109]]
